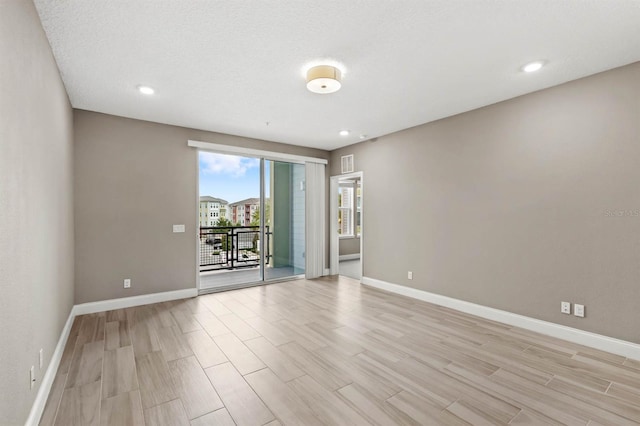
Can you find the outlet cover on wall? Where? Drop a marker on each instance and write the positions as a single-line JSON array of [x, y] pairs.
[[578, 310], [410, 275], [178, 228], [565, 307], [127, 283]]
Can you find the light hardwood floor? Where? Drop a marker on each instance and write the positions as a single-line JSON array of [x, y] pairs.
[[328, 351]]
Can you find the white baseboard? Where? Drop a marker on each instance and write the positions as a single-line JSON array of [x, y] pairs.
[[586, 338], [127, 302], [89, 308], [327, 272], [349, 256], [47, 380]]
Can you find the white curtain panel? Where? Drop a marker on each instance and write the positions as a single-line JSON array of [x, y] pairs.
[[315, 219]]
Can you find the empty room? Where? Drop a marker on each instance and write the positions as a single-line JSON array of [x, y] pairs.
[[319, 212]]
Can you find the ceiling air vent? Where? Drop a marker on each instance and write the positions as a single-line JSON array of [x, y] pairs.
[[347, 163]]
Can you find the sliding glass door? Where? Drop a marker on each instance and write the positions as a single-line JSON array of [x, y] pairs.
[[251, 215]]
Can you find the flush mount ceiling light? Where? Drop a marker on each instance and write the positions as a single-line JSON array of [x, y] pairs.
[[324, 79], [344, 132], [146, 90], [533, 66]]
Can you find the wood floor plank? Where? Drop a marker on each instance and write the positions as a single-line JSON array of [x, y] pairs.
[[322, 371], [124, 409], [219, 417], [283, 402], [211, 324], [91, 329], [324, 403], [267, 330], [144, 338], [86, 366], [239, 399], [119, 372], [280, 363], [117, 334], [422, 411], [214, 305], [241, 329], [193, 387], [80, 405], [205, 349], [173, 343], [186, 321], [238, 353], [168, 414], [351, 369], [156, 384], [53, 401], [366, 404]]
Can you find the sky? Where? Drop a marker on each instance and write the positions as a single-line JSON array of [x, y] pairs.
[[230, 177]]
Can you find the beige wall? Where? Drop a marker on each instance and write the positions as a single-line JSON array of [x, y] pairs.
[[349, 246], [509, 206], [36, 210], [134, 180]]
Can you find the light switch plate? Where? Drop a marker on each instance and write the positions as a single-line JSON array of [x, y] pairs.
[[178, 228], [578, 310]]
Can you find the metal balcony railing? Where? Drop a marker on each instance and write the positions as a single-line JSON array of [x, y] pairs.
[[231, 247]]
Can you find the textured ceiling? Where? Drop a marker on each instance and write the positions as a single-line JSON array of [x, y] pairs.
[[231, 66]]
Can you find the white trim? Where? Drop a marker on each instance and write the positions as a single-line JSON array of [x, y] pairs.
[[586, 338], [327, 272], [47, 380], [269, 155], [353, 256], [196, 261], [334, 238], [128, 302]]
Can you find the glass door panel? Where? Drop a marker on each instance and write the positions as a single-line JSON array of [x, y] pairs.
[[284, 222], [229, 237]]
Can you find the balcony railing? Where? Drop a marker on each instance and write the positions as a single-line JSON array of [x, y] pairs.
[[231, 247]]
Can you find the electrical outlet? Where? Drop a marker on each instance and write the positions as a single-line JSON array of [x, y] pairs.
[[32, 377], [410, 275], [41, 358], [565, 307], [578, 310], [127, 283]]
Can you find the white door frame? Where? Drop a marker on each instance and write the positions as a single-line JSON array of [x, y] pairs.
[[334, 239]]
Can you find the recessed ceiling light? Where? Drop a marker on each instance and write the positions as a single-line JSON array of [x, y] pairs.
[[533, 66], [344, 132], [146, 90]]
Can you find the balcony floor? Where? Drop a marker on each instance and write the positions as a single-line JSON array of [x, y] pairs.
[[223, 279]]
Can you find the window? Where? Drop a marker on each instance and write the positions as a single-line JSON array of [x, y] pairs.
[[345, 211]]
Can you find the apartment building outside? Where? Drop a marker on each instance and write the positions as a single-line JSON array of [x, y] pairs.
[[212, 210], [242, 211]]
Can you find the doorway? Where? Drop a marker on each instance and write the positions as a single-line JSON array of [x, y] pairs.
[[346, 203], [251, 215]]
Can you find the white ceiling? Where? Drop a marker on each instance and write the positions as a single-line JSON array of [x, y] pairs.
[[231, 66]]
